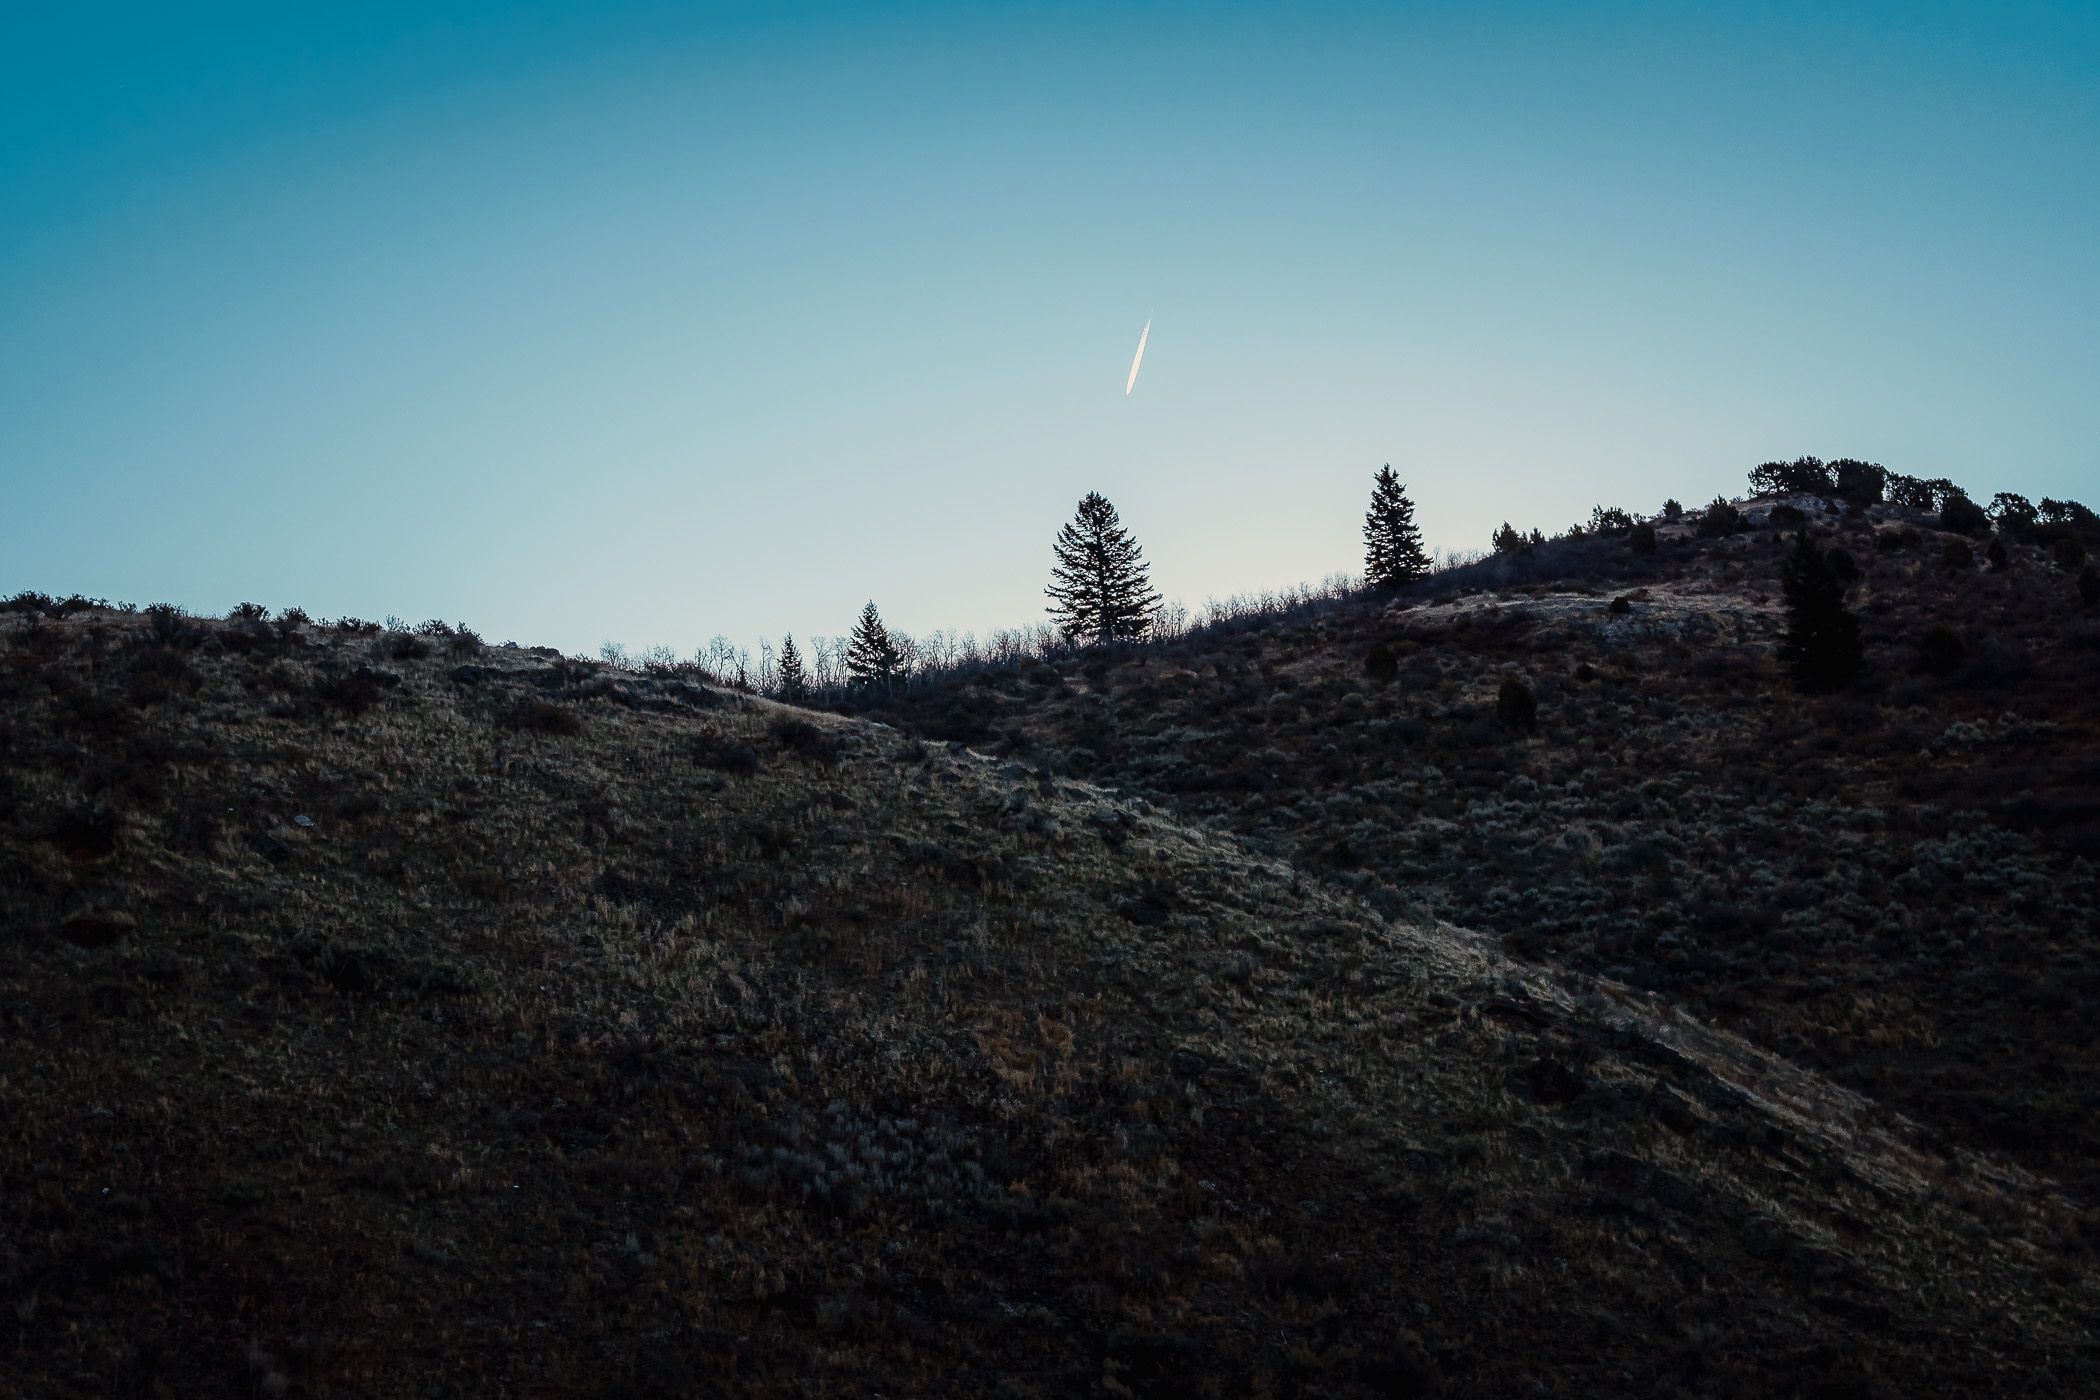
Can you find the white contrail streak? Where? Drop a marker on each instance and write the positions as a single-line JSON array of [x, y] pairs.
[[1132, 383]]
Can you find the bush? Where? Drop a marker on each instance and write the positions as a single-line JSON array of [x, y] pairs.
[[1821, 646], [1842, 564], [1672, 511], [1860, 483], [2089, 586], [1642, 540], [464, 641], [1940, 651], [799, 736], [1804, 476], [1956, 554], [1516, 707], [403, 646], [1788, 517], [726, 756], [2000, 559], [1960, 514], [2068, 552], [541, 717], [248, 612], [1381, 662], [1720, 519]]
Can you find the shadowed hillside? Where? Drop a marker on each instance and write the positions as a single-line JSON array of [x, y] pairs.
[[386, 1021], [1891, 884]]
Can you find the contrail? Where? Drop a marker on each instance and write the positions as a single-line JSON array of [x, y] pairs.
[[1140, 358]]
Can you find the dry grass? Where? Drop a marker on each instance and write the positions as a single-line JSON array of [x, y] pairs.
[[550, 1062]]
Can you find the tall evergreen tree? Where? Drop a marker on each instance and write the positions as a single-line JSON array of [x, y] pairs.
[[1393, 552], [871, 659], [1100, 589], [794, 681], [1821, 646]]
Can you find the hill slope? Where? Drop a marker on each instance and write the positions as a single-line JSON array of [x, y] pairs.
[[379, 1026]]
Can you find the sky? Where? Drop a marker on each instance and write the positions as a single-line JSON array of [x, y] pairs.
[[650, 323]]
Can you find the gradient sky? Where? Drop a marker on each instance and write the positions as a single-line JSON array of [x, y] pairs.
[[651, 322]]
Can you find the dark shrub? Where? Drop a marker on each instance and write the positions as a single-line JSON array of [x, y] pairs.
[[1720, 519], [1961, 514], [404, 646], [356, 692], [464, 641], [1516, 707], [248, 612], [1860, 483], [540, 717], [1672, 511], [2000, 559], [1381, 662], [1620, 606], [1821, 646], [1842, 564], [2068, 552], [356, 627], [31, 603], [726, 756], [1786, 516], [1940, 651], [799, 736], [1956, 554], [2089, 586], [1895, 539], [1642, 540], [1997, 662], [1804, 476]]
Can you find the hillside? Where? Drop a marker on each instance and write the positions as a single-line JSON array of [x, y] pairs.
[[383, 1021], [1892, 885]]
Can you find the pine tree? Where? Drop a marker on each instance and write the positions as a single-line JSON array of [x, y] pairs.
[[871, 659], [1821, 646], [1392, 545], [1100, 589], [794, 683]]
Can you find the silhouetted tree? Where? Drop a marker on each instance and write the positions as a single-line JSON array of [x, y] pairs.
[[1515, 705], [1804, 476], [1393, 552], [1100, 589], [794, 682], [1821, 646], [1642, 540], [1507, 540], [871, 659]]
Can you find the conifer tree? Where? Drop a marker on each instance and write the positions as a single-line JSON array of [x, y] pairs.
[[1100, 589], [871, 659], [1392, 545], [1821, 646], [794, 682]]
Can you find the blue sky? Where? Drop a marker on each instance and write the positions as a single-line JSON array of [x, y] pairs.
[[648, 323]]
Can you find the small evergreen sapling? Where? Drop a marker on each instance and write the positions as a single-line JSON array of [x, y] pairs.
[[1393, 554], [1101, 588], [1821, 646], [794, 681]]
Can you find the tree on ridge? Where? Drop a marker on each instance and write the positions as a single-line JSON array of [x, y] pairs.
[[794, 682], [871, 658], [1100, 589], [1393, 553], [1821, 646]]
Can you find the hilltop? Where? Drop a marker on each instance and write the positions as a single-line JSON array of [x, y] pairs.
[[1266, 1016]]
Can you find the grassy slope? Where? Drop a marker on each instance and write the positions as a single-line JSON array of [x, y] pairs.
[[1893, 885], [624, 1061]]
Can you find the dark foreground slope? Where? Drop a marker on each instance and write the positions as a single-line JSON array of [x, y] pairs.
[[373, 1028], [1892, 885]]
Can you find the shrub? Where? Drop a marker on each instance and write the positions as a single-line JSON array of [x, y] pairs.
[[248, 612], [403, 646], [1959, 513], [2000, 559], [1956, 554], [1940, 651], [2068, 552], [541, 717], [1720, 519], [1804, 476], [356, 627], [799, 736], [1895, 539], [1381, 662], [1642, 540], [1842, 564], [1860, 483], [1516, 707], [2089, 585], [1672, 511], [726, 756], [464, 641], [1609, 520], [1786, 516], [1821, 646], [1507, 540], [2010, 509], [295, 617]]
